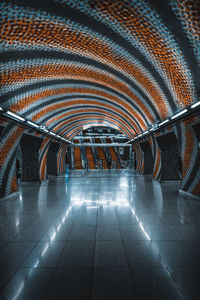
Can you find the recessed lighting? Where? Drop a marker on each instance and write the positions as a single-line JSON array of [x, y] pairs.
[[164, 122], [195, 104], [179, 114], [152, 129], [33, 124], [147, 131], [10, 113]]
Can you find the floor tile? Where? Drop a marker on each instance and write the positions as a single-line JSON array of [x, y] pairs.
[[123, 239], [82, 233], [77, 254], [186, 232], [188, 281], [31, 233], [132, 232], [155, 284], [3, 245], [70, 283], [6, 274], [28, 284], [15, 253], [160, 232], [142, 254], [108, 233], [175, 254], [125, 216], [113, 283], [110, 254], [44, 254], [171, 219]]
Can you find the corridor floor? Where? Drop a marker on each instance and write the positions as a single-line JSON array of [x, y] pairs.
[[100, 235]]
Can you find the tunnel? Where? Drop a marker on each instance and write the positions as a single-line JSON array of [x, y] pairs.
[[100, 149]]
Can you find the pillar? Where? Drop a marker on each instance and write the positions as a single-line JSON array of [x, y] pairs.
[[10, 138], [190, 134], [30, 146], [169, 168], [147, 158], [52, 166]]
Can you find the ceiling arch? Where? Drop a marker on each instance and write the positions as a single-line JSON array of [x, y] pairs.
[[69, 63]]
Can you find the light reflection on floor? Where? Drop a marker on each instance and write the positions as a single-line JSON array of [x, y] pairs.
[[96, 203]]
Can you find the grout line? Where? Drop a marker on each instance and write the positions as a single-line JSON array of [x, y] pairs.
[[128, 263], [93, 264], [168, 271], [55, 268]]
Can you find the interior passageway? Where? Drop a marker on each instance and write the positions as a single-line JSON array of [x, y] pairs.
[[100, 235]]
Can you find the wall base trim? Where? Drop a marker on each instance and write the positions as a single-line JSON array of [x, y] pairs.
[[166, 181], [10, 197], [189, 195], [25, 183]]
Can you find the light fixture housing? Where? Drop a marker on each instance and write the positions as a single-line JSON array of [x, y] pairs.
[[15, 116], [179, 114], [163, 122], [195, 105], [147, 131], [33, 124]]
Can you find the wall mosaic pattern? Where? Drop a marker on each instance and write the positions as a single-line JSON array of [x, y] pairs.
[[125, 64]]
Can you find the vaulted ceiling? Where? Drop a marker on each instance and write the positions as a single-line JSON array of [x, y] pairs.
[[122, 64]]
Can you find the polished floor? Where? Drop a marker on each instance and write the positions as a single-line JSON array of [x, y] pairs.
[[100, 235]]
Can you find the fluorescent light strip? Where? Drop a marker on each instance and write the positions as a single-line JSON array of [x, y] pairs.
[[33, 124], [195, 104], [179, 114], [152, 129], [10, 113], [146, 132], [164, 122]]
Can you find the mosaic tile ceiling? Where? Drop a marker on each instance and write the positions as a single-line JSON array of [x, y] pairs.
[[123, 64]]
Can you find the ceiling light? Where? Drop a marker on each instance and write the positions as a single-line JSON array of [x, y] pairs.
[[10, 113], [32, 124], [147, 131], [139, 135], [1, 109], [179, 114], [164, 122], [195, 104], [152, 129]]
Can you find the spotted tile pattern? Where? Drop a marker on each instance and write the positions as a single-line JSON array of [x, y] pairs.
[[70, 63]]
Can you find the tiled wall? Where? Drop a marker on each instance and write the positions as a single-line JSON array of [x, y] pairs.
[[67, 64]]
